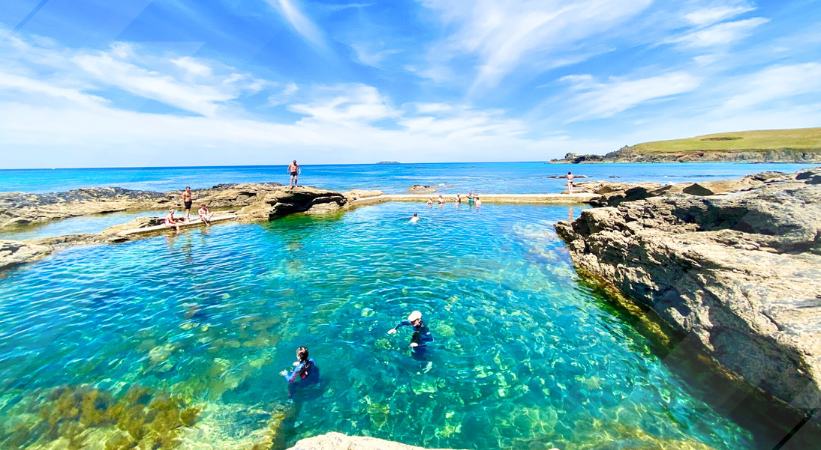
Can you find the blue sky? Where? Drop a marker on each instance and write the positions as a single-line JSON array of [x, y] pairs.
[[170, 82]]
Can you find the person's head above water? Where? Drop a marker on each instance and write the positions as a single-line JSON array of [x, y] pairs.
[[415, 215], [302, 353], [414, 317]]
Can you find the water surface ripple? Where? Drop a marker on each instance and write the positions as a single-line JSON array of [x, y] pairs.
[[524, 354]]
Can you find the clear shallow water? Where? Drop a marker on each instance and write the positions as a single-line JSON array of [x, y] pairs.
[[76, 225], [525, 355], [526, 177]]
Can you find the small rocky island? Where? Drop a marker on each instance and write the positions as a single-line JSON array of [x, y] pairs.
[[735, 265]]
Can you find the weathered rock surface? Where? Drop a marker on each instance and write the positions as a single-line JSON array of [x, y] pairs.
[[18, 209], [14, 252], [740, 270], [421, 189], [614, 193], [254, 201], [339, 441]]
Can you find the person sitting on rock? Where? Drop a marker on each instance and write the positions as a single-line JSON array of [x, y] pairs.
[[421, 334], [305, 371], [477, 201], [441, 200], [171, 221], [205, 214], [458, 199]]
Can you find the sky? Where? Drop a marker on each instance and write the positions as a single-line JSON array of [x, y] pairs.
[[100, 83]]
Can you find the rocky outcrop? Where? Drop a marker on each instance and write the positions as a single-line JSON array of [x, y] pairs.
[[252, 202], [19, 209], [13, 253], [614, 193], [421, 189], [739, 270], [339, 441], [632, 155]]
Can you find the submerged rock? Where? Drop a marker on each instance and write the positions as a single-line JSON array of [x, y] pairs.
[[740, 271]]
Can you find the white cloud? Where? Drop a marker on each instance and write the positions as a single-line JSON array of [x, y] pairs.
[[368, 55], [192, 66], [721, 34], [25, 85], [346, 103], [590, 99], [299, 22], [503, 36], [775, 83], [283, 96], [717, 13]]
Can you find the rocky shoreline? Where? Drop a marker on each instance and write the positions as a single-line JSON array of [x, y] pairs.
[[628, 154], [734, 265], [247, 202]]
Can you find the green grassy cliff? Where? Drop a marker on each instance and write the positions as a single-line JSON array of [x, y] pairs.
[[793, 145]]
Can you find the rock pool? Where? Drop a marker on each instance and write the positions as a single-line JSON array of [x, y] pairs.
[[188, 333]]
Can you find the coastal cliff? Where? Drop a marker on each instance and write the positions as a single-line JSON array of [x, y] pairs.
[[801, 145], [740, 270]]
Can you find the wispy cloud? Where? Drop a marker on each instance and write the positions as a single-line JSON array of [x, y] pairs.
[[300, 22], [503, 36], [721, 34], [773, 84], [718, 12], [591, 99], [345, 104], [370, 55]]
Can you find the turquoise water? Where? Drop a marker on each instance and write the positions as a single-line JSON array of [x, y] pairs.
[[524, 177], [76, 225], [525, 356]]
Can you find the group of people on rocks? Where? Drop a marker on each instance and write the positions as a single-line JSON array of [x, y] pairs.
[[305, 372], [187, 198]]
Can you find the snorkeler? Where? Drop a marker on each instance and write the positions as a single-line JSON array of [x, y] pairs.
[[305, 371], [421, 334]]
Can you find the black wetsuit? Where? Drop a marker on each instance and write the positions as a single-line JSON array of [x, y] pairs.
[[421, 337]]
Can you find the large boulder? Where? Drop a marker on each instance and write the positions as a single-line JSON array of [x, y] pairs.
[[740, 271]]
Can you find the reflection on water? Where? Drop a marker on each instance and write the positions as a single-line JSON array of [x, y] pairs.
[[524, 355]]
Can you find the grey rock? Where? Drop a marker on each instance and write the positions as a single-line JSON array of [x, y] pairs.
[[740, 270]]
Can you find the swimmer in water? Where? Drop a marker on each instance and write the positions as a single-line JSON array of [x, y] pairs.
[[414, 218]]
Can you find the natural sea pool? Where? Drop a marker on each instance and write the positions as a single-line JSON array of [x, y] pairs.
[[525, 355]]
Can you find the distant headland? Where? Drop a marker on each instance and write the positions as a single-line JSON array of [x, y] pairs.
[[791, 145]]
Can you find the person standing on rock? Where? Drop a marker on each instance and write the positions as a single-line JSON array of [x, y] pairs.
[[187, 201], [569, 182], [293, 170]]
